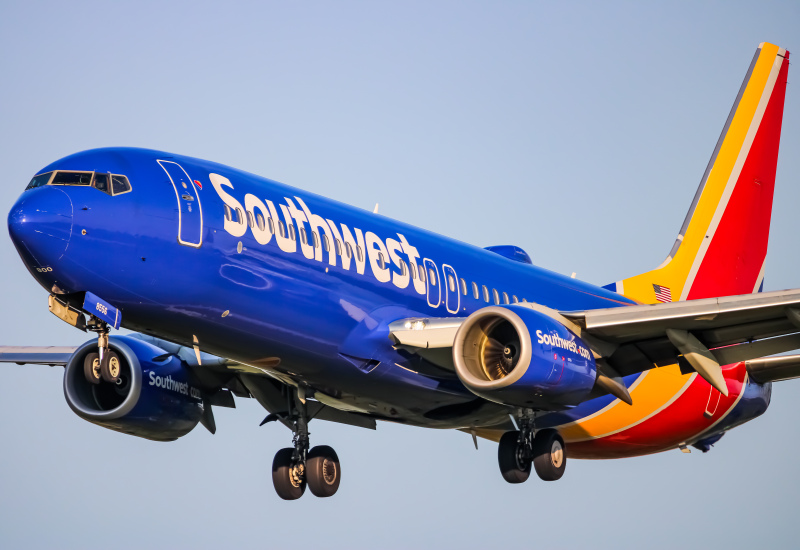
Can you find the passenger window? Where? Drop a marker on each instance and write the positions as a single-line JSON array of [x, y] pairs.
[[413, 269], [422, 274], [282, 229], [433, 276], [360, 254], [349, 250], [72, 178], [505, 298], [303, 235], [120, 184], [381, 262], [228, 215], [495, 296], [260, 222], [475, 291], [485, 294], [402, 268], [38, 181], [316, 239], [101, 183], [326, 245], [271, 226], [292, 234], [239, 216], [451, 283], [338, 244], [463, 287], [250, 221]]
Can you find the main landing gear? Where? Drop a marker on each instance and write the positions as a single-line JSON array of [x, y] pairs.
[[105, 363], [295, 468], [518, 450]]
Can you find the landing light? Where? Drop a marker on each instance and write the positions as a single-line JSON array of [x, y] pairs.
[[414, 325]]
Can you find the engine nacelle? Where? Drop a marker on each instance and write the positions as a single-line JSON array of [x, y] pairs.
[[154, 399], [515, 355]]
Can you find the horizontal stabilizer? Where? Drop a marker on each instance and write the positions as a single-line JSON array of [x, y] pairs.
[[774, 369]]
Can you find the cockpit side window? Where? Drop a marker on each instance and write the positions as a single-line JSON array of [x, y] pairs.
[[72, 178], [38, 181], [101, 183], [120, 184]]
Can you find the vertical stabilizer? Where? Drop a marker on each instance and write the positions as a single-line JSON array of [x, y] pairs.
[[722, 245]]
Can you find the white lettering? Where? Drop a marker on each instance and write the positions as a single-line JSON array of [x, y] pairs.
[[284, 242], [401, 276], [236, 228], [375, 247], [300, 218], [262, 235], [317, 222]]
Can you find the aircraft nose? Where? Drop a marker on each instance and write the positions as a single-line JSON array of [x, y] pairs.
[[40, 225]]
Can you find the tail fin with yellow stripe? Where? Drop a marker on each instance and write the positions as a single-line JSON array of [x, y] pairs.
[[722, 245]]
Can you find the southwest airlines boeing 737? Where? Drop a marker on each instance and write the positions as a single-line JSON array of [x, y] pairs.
[[321, 311]]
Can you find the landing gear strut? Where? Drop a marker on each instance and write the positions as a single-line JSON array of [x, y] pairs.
[[105, 364], [295, 468], [518, 450]]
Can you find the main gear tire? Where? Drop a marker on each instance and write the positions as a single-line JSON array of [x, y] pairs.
[[288, 478], [323, 472], [511, 458], [549, 455]]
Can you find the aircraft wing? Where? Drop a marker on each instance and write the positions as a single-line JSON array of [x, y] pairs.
[[730, 329], [36, 355], [699, 335]]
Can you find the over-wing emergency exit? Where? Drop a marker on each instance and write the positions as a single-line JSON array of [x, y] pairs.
[[325, 312]]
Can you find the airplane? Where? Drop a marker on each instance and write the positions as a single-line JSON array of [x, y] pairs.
[[234, 285]]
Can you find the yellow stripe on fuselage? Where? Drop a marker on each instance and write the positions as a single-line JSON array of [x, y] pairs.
[[655, 390]]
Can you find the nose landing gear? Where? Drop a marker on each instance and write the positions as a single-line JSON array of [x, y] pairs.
[[295, 468], [105, 364], [518, 450]]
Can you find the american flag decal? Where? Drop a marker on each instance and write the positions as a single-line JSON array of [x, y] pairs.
[[663, 293]]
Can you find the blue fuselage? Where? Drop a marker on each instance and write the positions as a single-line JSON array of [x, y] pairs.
[[286, 280]]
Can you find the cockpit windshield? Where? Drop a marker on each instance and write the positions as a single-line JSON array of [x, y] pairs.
[[112, 184], [38, 181], [72, 178]]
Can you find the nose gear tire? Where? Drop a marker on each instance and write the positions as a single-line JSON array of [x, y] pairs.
[[110, 367], [323, 472], [91, 368], [549, 455], [514, 467], [287, 477]]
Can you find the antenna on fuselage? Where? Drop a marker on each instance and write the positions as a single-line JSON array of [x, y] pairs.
[[375, 210]]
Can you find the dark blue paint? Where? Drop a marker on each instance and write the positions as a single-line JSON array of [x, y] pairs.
[[161, 404], [302, 310]]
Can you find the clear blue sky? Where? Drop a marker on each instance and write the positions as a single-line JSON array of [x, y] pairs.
[[483, 121]]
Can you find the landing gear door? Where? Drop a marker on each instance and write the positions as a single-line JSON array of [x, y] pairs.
[[190, 212]]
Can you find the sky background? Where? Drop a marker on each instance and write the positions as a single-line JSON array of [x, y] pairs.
[[483, 121]]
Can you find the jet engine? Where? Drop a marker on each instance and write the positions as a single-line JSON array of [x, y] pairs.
[[515, 355], [153, 398]]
